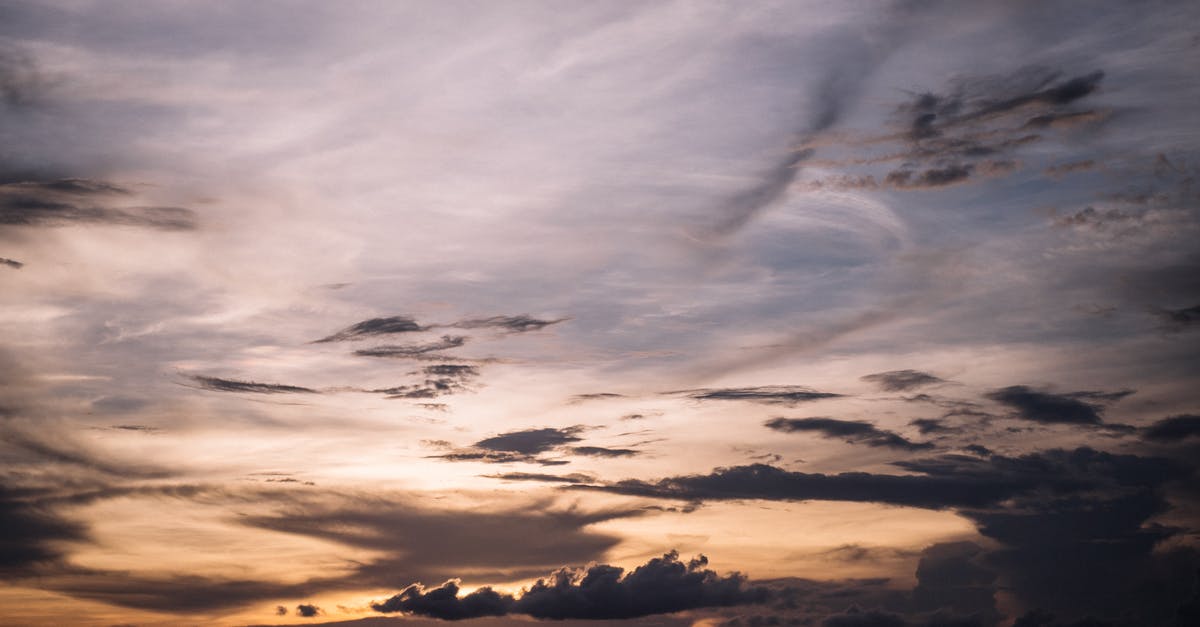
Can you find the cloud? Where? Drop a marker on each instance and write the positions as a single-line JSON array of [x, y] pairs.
[[1179, 319], [413, 351], [530, 441], [1050, 408], [457, 371], [852, 431], [234, 385], [512, 324], [864, 618], [32, 530], [542, 477], [766, 394], [63, 202], [600, 451], [1064, 169], [941, 482], [308, 610], [662, 585], [930, 178], [902, 380], [443, 602], [11, 263], [1173, 429], [931, 425], [595, 396], [374, 327]]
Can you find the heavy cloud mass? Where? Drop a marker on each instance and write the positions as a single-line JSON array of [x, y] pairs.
[[410, 312], [659, 586]]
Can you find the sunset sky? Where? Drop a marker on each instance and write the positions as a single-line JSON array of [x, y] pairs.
[[831, 313]]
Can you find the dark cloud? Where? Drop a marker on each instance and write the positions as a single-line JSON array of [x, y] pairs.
[[865, 618], [1179, 319], [1050, 408], [234, 385], [375, 327], [457, 371], [1173, 429], [978, 449], [931, 425], [852, 431], [142, 428], [308, 610], [11, 263], [596, 396], [512, 324], [497, 457], [600, 451], [766, 394], [930, 178], [280, 610], [530, 441], [955, 576], [21, 83], [430, 388], [33, 531], [972, 128], [546, 478], [662, 585], [411, 351], [1095, 218], [941, 482], [83, 201], [1063, 169], [902, 380], [443, 602]]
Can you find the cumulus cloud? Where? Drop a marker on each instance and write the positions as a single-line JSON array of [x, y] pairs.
[[660, 586], [853, 431]]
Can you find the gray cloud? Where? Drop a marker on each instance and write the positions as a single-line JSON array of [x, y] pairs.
[[11, 263], [902, 380], [512, 324], [600, 451], [545, 478], [766, 394], [413, 351], [83, 201], [308, 610], [1050, 408], [530, 441], [662, 585], [374, 327], [852, 431], [1184, 319], [233, 385], [1173, 429]]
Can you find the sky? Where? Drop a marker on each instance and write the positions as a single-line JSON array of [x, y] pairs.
[[698, 314]]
